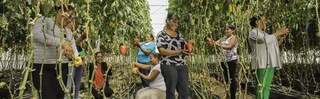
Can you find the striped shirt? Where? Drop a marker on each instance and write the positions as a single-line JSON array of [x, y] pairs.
[[172, 43]]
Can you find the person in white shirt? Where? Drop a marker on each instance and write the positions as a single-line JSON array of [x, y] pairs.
[[146, 48], [157, 88]]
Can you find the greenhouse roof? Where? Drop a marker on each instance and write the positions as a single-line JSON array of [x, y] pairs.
[[158, 14]]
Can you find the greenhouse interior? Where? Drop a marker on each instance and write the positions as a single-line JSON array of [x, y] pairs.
[[160, 49]]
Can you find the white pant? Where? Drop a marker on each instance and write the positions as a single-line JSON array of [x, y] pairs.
[[150, 93]]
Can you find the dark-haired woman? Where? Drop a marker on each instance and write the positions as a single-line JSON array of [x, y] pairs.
[[229, 45], [265, 54], [146, 48], [171, 45], [101, 87], [47, 32], [157, 88]]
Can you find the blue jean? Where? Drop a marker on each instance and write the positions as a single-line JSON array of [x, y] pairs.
[[175, 77], [145, 83], [76, 75]]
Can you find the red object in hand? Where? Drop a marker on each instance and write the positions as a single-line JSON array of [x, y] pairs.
[[123, 49], [189, 47]]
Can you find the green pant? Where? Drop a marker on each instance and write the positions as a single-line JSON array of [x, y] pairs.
[[265, 76]]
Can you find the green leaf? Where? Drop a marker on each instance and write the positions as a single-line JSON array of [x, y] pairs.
[[216, 7], [3, 21]]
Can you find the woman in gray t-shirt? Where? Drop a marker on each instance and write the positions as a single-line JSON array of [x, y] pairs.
[[47, 32]]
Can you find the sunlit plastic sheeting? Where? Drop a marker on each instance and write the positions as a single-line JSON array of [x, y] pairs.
[[12, 61]]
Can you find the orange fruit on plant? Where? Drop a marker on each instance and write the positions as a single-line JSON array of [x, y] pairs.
[[123, 49]]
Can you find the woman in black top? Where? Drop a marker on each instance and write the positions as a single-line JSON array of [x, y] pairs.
[[98, 80]]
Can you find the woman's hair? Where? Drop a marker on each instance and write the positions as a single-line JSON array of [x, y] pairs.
[[97, 54], [65, 8], [120, 44], [171, 15], [253, 20], [230, 26], [150, 35], [156, 55]]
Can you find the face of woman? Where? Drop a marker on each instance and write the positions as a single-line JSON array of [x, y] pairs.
[[99, 58], [148, 38], [68, 18], [173, 23], [153, 60], [228, 31]]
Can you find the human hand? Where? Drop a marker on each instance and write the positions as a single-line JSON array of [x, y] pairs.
[[85, 33], [282, 31], [186, 52], [135, 70], [136, 42], [68, 51], [216, 44], [133, 64], [210, 41], [71, 26], [109, 64]]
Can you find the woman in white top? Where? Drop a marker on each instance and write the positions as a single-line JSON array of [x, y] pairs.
[[157, 88], [265, 54], [229, 45]]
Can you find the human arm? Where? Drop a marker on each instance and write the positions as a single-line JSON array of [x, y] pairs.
[[262, 37], [282, 32], [90, 70], [142, 66], [162, 44], [83, 36], [153, 75], [172, 52], [230, 45], [146, 51]]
